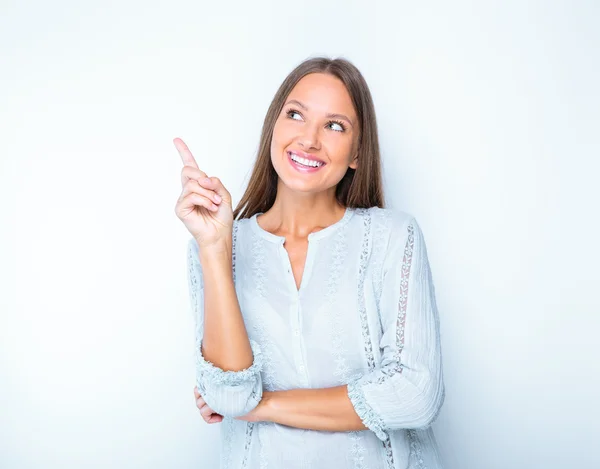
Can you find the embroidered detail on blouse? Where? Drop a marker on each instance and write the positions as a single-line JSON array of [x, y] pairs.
[[364, 256], [249, 429], [402, 302], [234, 233], [263, 442], [196, 285], [227, 443], [270, 382], [358, 450], [416, 454], [339, 351], [342, 370], [216, 375], [387, 446], [380, 238], [258, 256]]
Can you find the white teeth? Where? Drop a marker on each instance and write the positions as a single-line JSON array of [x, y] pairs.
[[304, 161]]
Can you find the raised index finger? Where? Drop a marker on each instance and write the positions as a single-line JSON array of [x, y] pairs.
[[185, 153]]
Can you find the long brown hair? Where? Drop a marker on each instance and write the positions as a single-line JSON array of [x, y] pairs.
[[360, 188]]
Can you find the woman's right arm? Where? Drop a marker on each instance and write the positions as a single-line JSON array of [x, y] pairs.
[[228, 364]]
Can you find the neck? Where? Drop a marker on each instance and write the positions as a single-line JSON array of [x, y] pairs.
[[297, 216]]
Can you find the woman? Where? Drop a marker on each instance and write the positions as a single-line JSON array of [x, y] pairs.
[[317, 331]]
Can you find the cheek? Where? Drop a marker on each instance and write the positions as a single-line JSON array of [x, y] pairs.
[[339, 149], [276, 135], [282, 137], [284, 129]]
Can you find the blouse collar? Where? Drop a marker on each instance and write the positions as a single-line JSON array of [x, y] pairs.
[[328, 230]]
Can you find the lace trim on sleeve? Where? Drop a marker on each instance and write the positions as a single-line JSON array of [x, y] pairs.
[[364, 256], [195, 279], [234, 233], [216, 375], [366, 413], [403, 300]]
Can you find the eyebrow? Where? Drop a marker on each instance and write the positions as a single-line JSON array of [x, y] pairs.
[[335, 116]]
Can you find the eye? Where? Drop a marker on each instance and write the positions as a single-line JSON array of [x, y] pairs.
[[342, 128], [291, 112], [339, 124]]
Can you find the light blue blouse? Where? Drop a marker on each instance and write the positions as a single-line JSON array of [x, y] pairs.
[[365, 315]]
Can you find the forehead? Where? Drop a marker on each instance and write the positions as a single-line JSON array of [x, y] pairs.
[[323, 93]]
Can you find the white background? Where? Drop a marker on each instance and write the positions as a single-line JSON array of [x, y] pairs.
[[489, 124]]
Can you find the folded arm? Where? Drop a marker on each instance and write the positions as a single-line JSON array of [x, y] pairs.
[[228, 364]]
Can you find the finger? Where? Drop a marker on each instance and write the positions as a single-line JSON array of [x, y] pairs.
[[215, 418], [206, 412], [190, 172], [193, 199], [192, 186], [216, 185], [200, 403], [185, 153], [196, 393]]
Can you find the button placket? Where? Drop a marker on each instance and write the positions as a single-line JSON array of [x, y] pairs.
[[296, 328]]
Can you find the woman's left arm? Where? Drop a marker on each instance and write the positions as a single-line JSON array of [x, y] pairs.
[[407, 389], [327, 409]]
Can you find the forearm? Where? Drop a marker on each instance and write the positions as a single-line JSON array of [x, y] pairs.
[[327, 409], [225, 341]]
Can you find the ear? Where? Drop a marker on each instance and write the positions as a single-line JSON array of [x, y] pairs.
[[354, 163]]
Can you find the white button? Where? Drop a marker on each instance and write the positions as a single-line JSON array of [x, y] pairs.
[[296, 332], [301, 367]]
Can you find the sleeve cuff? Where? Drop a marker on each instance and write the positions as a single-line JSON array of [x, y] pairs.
[[216, 375], [364, 410]]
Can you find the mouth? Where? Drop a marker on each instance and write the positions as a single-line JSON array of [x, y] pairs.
[[304, 165]]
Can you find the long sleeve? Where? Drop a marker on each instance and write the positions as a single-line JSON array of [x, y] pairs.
[[406, 390], [229, 393]]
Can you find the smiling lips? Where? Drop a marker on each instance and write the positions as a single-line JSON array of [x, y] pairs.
[[304, 162]]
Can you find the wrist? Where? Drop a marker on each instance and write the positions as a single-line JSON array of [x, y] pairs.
[[215, 250], [267, 406]]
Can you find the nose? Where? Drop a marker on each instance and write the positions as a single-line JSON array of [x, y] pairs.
[[309, 138]]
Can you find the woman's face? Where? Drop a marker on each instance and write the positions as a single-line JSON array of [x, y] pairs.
[[317, 122]]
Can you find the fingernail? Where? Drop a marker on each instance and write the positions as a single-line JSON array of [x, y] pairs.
[[206, 180], [217, 197]]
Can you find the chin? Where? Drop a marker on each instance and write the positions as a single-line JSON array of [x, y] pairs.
[[298, 186]]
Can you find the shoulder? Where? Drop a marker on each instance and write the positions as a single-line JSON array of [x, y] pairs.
[[396, 235], [389, 222]]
